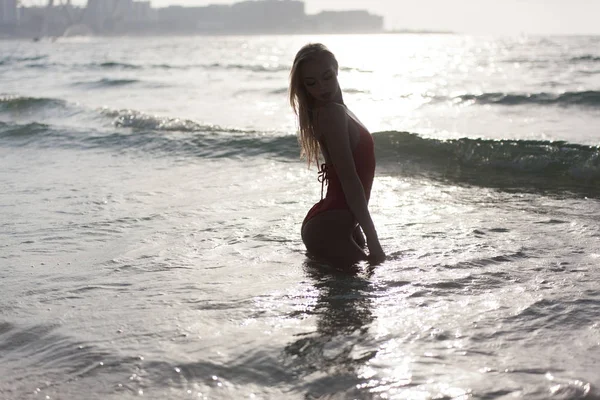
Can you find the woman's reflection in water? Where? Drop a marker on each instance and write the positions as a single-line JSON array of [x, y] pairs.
[[334, 355]]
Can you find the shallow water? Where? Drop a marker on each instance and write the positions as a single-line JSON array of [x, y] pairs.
[[150, 229]]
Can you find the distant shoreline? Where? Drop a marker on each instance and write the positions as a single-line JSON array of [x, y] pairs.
[[419, 31], [176, 34]]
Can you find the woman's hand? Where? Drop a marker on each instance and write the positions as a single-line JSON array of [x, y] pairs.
[[376, 253]]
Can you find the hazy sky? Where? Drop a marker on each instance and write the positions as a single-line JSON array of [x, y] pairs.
[[471, 16]]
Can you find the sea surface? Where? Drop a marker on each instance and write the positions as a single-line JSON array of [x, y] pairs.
[[152, 195]]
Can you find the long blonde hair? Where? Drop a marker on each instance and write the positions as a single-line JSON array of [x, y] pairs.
[[302, 102]]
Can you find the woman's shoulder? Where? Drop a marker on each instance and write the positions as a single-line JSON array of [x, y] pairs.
[[330, 113], [331, 121], [331, 106]]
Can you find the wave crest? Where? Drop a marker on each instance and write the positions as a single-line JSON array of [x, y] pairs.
[[509, 162], [107, 82], [586, 57], [590, 98], [142, 121], [114, 64], [20, 104], [518, 163]]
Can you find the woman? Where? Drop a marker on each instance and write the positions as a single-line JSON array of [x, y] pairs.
[[331, 229]]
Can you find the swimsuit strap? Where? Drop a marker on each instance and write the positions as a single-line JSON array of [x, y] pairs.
[[323, 177]]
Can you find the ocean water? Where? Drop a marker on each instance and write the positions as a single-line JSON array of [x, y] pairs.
[[151, 203]]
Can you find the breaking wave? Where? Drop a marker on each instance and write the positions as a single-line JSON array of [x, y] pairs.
[[482, 161], [108, 82], [518, 163], [586, 57], [589, 98], [18, 104]]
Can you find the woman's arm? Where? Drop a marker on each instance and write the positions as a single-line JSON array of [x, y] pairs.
[[332, 124]]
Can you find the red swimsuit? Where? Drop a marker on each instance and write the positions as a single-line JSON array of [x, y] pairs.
[[364, 161]]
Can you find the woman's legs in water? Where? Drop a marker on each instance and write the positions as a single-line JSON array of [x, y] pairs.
[[331, 236]]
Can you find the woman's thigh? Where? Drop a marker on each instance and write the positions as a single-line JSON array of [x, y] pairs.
[[329, 235]]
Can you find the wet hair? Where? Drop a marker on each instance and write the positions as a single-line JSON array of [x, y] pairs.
[[302, 102]]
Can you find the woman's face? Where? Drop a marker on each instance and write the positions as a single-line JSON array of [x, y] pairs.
[[319, 77]]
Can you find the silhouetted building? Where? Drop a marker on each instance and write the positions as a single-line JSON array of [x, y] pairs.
[[245, 17], [32, 17], [47, 21], [100, 13], [141, 12], [264, 16], [178, 19], [213, 18], [118, 16], [267, 16], [9, 17], [138, 17], [354, 21]]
